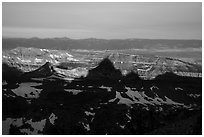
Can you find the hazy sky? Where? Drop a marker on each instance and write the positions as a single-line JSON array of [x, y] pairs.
[[103, 20]]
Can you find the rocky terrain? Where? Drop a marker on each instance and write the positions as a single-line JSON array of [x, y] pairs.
[[75, 63], [99, 92]]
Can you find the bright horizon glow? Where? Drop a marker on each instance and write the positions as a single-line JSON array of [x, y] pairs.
[[102, 20]]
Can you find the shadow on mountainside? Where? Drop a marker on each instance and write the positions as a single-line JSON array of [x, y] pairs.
[[102, 103]]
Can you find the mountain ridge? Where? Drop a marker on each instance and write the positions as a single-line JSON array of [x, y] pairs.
[[109, 102], [66, 43], [29, 59]]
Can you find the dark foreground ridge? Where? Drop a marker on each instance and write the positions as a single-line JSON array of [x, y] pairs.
[[103, 102], [10, 74]]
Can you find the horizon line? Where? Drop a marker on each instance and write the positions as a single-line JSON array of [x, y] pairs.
[[7, 37]]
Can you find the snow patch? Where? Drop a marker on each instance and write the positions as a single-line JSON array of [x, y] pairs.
[[25, 90], [86, 126], [194, 95], [74, 91], [52, 118], [178, 88], [89, 113], [122, 100], [107, 88], [154, 87], [169, 101], [38, 126]]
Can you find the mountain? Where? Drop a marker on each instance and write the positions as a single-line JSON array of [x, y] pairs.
[[105, 70], [147, 67], [99, 44], [44, 71], [106, 95]]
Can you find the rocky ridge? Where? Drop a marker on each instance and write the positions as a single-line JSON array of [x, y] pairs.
[[104, 101], [69, 62]]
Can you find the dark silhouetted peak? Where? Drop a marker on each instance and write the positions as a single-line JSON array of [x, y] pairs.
[[43, 71], [105, 65], [104, 70], [46, 67]]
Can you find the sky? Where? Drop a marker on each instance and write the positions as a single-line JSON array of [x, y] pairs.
[[103, 20]]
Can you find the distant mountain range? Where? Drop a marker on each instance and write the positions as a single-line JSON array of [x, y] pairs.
[[99, 44], [76, 63]]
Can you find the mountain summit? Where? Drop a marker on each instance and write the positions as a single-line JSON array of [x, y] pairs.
[[105, 70], [43, 71], [105, 65]]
